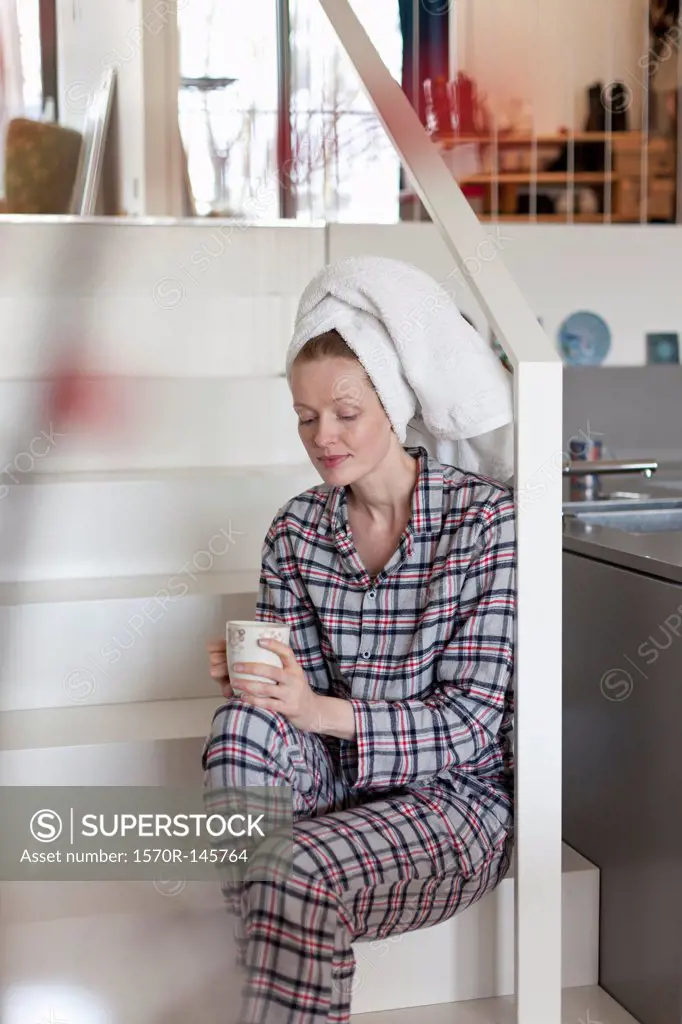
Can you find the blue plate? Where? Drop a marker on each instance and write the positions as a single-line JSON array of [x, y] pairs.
[[584, 339]]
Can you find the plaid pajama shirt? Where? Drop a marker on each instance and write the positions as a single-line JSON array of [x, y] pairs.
[[411, 821]]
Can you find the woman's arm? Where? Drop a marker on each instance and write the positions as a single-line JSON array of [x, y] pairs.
[[337, 718], [411, 741], [282, 598]]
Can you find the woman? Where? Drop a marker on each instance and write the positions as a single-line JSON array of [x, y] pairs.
[[391, 716]]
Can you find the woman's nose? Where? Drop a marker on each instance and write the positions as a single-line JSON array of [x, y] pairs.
[[326, 434]]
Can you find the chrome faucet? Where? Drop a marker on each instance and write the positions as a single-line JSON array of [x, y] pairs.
[[613, 466], [591, 471]]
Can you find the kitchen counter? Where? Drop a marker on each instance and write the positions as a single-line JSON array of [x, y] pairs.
[[621, 770], [654, 554]]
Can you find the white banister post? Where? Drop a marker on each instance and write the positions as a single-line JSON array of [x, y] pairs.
[[538, 444]]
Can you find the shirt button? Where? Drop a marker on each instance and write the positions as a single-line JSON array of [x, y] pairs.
[[372, 594], [365, 654]]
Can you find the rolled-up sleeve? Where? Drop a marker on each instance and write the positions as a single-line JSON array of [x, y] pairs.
[[404, 742]]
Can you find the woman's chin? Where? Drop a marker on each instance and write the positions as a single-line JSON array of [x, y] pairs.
[[339, 475]]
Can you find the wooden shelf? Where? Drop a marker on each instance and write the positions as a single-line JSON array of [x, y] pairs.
[[629, 152], [541, 178], [527, 140], [554, 218]]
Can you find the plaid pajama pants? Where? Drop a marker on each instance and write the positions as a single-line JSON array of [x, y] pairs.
[[365, 866]]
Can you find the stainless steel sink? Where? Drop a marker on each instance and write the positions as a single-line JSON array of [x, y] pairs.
[[643, 515], [621, 502], [668, 485], [657, 520]]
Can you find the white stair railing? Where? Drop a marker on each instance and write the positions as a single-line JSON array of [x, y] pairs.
[[538, 444]]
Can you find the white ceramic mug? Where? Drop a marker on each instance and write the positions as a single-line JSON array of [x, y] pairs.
[[242, 645]]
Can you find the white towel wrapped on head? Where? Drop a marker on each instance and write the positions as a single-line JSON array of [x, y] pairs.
[[440, 383]]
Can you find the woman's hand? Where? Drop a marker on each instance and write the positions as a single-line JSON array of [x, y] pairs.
[[291, 696], [217, 653]]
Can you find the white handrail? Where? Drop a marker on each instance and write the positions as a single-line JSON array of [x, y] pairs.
[[538, 451]]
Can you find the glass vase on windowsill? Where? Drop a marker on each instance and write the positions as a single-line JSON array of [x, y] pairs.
[[225, 128]]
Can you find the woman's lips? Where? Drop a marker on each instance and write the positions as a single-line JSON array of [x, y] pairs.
[[333, 461]]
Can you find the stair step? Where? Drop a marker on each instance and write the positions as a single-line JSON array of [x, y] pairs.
[[156, 423], [79, 535], [197, 298], [112, 651], [120, 588], [103, 724], [471, 956], [585, 1005]]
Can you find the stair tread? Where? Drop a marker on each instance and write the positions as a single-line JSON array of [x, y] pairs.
[[160, 474], [113, 588], [44, 901], [589, 1005], [142, 721]]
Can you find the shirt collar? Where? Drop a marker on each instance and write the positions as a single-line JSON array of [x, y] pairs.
[[427, 499]]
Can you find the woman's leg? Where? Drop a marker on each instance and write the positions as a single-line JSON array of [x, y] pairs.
[[375, 870], [252, 747]]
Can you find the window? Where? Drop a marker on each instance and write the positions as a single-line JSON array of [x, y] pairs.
[[20, 66], [343, 165], [228, 102], [28, 14], [349, 169]]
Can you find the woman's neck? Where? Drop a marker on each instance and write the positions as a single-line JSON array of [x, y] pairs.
[[384, 496]]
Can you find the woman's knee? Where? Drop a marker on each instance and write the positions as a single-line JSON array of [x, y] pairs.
[[283, 868], [291, 853], [244, 742]]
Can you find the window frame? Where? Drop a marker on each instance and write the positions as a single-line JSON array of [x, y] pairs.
[[48, 52]]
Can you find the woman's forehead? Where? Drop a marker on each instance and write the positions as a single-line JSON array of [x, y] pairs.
[[320, 375], [339, 382]]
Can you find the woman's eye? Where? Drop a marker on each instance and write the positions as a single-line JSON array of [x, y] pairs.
[[305, 423]]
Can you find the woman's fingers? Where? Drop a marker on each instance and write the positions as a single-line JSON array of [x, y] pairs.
[[218, 666], [255, 668], [217, 659], [216, 647]]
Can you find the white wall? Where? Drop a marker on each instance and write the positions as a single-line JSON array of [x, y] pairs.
[[628, 274], [548, 52]]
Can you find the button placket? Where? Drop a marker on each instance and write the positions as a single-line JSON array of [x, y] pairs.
[[365, 652]]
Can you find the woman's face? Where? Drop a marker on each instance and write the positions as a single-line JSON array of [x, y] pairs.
[[341, 421]]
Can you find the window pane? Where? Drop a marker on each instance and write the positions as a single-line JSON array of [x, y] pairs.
[[230, 128], [28, 13], [347, 167]]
